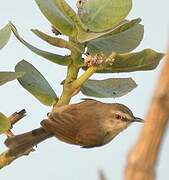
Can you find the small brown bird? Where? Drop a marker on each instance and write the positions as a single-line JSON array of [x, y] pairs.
[[89, 124]]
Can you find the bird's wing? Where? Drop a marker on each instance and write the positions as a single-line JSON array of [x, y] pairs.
[[62, 126], [88, 130]]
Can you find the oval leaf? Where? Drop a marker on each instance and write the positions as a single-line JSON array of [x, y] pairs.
[[5, 124], [55, 58], [124, 39], [9, 76], [84, 36], [147, 59], [34, 82], [5, 34], [54, 41], [108, 88], [55, 16], [99, 15]]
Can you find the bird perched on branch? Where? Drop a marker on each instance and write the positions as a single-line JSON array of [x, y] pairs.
[[89, 124]]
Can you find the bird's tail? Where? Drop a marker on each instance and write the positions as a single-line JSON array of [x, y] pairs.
[[22, 143]]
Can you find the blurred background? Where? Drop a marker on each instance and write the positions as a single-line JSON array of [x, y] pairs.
[[54, 159]]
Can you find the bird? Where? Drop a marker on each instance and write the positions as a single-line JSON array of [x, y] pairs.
[[89, 124]]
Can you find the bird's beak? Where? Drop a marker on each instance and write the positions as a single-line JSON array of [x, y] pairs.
[[137, 119]]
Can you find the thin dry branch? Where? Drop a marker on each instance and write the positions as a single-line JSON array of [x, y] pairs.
[[17, 116], [14, 118], [143, 157], [4, 158]]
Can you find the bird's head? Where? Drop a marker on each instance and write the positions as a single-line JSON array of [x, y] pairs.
[[120, 118]]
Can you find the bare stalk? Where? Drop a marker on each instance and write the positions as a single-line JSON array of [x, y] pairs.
[[17, 116], [14, 118]]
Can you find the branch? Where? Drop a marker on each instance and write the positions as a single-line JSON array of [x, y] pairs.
[[84, 77], [17, 116], [143, 157], [5, 159], [14, 118]]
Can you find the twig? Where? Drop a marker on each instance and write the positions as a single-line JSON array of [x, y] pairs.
[[14, 118], [143, 157], [5, 159]]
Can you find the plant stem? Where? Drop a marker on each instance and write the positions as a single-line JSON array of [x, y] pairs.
[[67, 90], [84, 77], [5, 160], [17, 116], [72, 86], [72, 73]]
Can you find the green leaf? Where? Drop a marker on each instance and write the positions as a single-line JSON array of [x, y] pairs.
[[9, 76], [55, 58], [145, 60], [123, 39], [108, 88], [5, 124], [34, 82], [55, 41], [99, 15], [69, 12], [55, 16], [85, 36], [5, 34]]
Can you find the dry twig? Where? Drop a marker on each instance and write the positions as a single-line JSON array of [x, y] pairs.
[[17, 116], [14, 118]]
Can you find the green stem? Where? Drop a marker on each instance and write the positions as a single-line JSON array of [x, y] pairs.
[[73, 86], [67, 90], [72, 73], [84, 77]]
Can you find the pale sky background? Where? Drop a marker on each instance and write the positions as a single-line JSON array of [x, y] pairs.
[[54, 159]]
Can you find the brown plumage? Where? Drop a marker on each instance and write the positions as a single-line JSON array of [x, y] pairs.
[[89, 124]]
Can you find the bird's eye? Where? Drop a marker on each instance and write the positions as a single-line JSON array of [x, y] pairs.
[[118, 116]]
